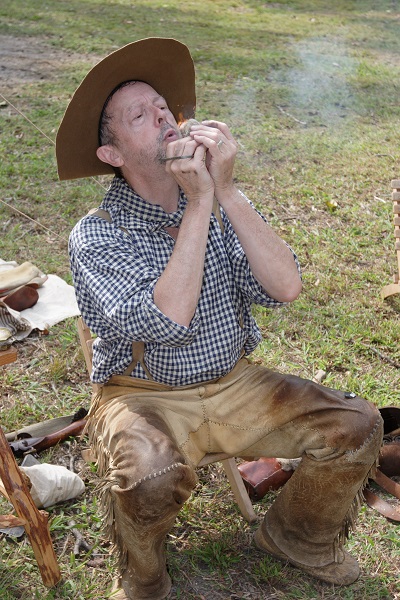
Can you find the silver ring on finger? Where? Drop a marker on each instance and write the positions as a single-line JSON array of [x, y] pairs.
[[220, 144]]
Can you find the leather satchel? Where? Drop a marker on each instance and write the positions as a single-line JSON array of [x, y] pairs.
[[263, 475], [389, 467]]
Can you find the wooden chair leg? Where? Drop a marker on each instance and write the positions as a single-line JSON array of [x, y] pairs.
[[239, 490], [35, 521]]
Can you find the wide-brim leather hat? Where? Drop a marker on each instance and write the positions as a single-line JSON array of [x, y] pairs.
[[163, 63]]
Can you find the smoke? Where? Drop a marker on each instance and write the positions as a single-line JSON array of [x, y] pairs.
[[315, 92], [318, 92]]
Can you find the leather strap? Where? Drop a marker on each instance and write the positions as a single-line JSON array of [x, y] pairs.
[[101, 213], [383, 507], [105, 215], [387, 484], [138, 357], [217, 212]]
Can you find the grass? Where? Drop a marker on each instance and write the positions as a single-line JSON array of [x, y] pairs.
[[310, 90]]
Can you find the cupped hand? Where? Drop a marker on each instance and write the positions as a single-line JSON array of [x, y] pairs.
[[221, 151], [185, 161]]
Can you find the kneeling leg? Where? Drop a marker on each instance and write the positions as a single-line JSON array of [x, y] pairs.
[[146, 484]]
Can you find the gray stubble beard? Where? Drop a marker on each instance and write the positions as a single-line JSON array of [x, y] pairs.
[[161, 152]]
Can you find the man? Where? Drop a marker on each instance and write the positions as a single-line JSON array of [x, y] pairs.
[[165, 274]]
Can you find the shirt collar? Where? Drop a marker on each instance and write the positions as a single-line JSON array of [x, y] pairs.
[[151, 214]]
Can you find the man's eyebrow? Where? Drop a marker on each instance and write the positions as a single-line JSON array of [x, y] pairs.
[[159, 97], [137, 105]]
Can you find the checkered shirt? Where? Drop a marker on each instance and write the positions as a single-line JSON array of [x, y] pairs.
[[115, 267]]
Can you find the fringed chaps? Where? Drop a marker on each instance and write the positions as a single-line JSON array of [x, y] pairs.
[[148, 438]]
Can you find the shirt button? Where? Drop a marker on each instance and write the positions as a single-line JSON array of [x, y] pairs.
[[202, 391]]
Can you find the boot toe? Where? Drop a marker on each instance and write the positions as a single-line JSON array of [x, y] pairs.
[[345, 572], [117, 592], [121, 590]]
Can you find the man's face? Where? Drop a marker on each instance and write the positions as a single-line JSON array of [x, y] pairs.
[[142, 123]]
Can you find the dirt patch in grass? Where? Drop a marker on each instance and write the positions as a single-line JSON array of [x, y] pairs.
[[29, 60]]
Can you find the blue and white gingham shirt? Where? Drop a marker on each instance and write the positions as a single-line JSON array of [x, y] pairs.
[[115, 267]]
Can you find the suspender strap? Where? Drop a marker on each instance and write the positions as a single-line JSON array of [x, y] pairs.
[[101, 213], [104, 214], [138, 357], [217, 212]]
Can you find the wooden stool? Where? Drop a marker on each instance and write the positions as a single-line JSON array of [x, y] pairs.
[[394, 288], [35, 521]]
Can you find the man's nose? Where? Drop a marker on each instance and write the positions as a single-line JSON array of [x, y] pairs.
[[160, 115]]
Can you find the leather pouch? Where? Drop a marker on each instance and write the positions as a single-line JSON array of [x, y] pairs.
[[262, 476], [389, 467], [22, 298]]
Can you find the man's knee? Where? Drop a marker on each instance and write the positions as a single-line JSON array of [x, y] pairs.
[[158, 496], [365, 427], [148, 470], [357, 425], [344, 421]]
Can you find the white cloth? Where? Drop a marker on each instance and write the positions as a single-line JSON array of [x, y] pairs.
[[56, 302], [52, 484]]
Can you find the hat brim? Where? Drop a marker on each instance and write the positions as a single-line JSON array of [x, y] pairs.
[[163, 63]]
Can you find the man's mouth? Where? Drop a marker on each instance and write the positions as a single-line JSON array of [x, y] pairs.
[[171, 135], [167, 134]]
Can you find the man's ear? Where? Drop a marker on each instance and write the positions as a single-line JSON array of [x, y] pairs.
[[109, 155]]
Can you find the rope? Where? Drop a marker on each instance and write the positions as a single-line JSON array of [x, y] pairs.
[[24, 116], [27, 119], [33, 220]]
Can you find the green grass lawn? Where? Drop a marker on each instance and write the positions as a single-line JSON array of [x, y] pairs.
[[310, 89]]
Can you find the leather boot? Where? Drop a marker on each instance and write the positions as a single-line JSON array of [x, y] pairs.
[[344, 572], [312, 515], [143, 517]]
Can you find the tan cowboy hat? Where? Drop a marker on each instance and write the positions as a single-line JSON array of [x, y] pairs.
[[163, 63]]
